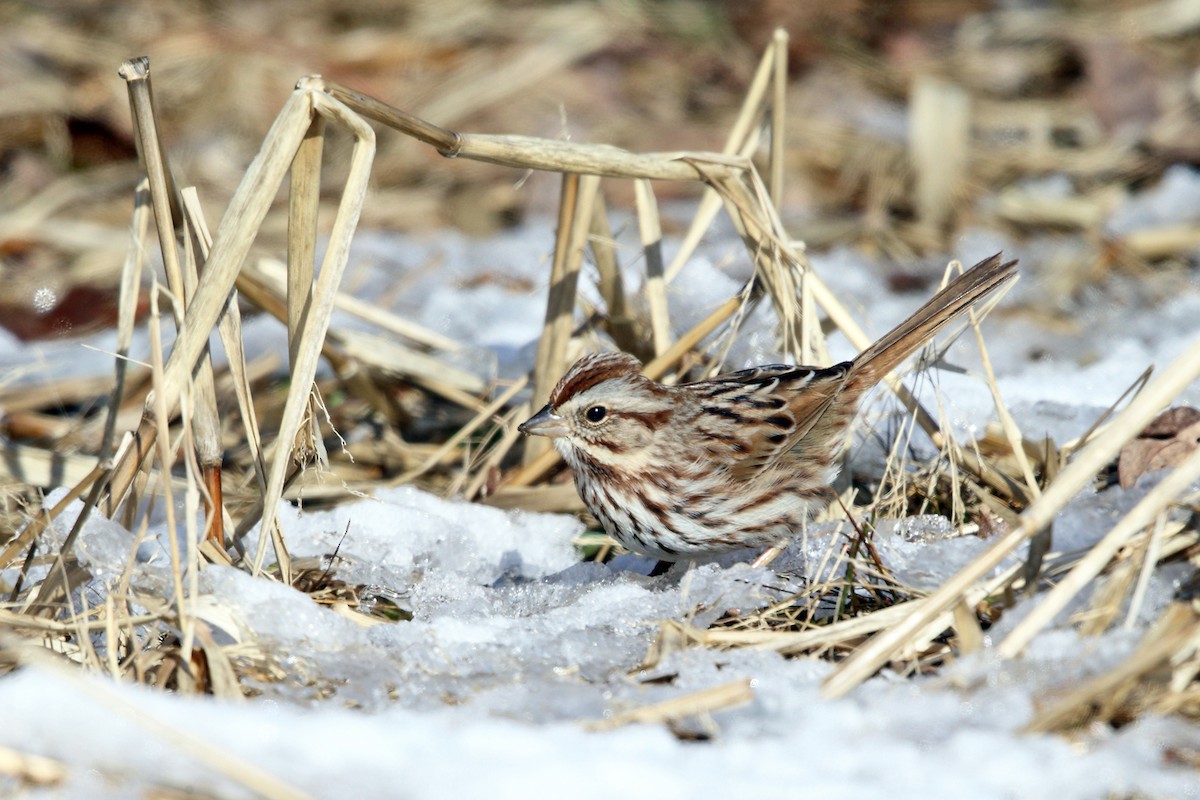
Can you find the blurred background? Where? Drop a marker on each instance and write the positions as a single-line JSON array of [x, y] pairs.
[[908, 121]]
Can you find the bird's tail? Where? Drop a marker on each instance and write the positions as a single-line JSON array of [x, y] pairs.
[[943, 308]]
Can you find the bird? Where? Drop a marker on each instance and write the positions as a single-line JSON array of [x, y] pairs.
[[736, 461]]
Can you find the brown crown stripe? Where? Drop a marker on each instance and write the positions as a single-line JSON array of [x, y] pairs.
[[581, 381], [595, 369]]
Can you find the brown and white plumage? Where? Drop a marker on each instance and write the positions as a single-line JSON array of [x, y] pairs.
[[739, 460]]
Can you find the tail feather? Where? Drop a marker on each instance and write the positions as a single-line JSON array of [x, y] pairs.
[[943, 308]]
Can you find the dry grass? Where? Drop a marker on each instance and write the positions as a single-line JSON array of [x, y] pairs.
[[170, 423]]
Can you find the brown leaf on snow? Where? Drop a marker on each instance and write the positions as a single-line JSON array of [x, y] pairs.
[[1167, 440]]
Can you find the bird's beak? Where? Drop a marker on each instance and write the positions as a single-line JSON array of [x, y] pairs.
[[544, 423]]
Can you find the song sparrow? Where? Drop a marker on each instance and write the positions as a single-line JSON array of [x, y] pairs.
[[736, 461]]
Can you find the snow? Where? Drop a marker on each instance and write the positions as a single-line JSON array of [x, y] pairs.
[[513, 643], [1174, 200], [499, 666]]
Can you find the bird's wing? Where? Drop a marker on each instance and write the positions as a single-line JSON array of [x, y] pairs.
[[760, 415]]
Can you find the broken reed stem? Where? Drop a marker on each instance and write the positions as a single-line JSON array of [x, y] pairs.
[[168, 218], [304, 197], [591, 159], [560, 300], [779, 52], [230, 330], [621, 324], [165, 451], [234, 237], [1158, 393], [163, 192], [518, 152], [131, 275], [303, 200], [650, 229], [182, 278], [567, 157], [203, 425], [315, 320], [574, 221], [939, 145]]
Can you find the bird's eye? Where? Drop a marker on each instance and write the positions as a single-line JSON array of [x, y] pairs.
[[595, 414]]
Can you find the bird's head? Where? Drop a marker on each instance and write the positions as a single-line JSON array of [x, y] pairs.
[[605, 411]]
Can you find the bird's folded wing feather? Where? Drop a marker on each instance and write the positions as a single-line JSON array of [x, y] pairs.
[[770, 409]]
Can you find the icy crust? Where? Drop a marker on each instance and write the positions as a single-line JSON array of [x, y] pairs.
[[948, 736], [512, 643], [498, 601], [430, 534]]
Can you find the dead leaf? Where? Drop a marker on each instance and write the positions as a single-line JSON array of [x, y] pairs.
[[1170, 422], [1167, 440]]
